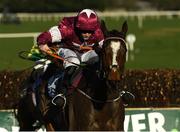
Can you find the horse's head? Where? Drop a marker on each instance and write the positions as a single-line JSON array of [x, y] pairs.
[[114, 52]]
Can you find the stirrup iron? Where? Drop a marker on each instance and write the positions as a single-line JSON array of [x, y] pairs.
[[61, 96]]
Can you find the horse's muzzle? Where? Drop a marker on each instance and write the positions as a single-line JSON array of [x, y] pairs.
[[114, 74]]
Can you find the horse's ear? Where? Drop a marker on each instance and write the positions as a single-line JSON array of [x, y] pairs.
[[103, 28], [124, 28]]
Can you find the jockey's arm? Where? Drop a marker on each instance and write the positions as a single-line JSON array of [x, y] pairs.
[[46, 38], [98, 46], [42, 41], [44, 48]]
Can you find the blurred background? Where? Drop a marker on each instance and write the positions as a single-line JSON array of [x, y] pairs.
[[154, 28], [153, 41]]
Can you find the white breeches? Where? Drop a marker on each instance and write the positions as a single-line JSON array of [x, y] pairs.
[[89, 57]]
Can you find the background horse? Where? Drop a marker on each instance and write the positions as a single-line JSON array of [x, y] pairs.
[[28, 112], [96, 104]]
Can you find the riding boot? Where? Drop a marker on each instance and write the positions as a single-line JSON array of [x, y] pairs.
[[64, 85], [127, 97]]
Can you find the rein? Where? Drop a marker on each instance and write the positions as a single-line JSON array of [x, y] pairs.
[[60, 58], [80, 91], [54, 55], [99, 101]]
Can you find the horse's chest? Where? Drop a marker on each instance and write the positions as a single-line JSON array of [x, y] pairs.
[[106, 119]]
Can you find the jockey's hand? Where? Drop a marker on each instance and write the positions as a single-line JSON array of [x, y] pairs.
[[44, 48], [97, 48]]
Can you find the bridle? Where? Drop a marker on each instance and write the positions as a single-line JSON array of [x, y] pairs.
[[116, 38]]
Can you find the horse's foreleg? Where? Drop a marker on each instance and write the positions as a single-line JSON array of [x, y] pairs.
[[49, 127]]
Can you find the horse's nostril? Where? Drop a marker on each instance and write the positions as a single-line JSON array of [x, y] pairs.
[[114, 66]]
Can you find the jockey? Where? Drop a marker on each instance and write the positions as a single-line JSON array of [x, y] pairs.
[[73, 32]]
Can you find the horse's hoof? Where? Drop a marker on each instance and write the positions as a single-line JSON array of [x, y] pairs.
[[37, 124]]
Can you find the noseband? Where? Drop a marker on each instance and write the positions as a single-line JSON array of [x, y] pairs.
[[116, 38]]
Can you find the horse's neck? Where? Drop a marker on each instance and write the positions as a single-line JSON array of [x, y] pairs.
[[102, 89], [112, 85], [96, 85], [112, 88]]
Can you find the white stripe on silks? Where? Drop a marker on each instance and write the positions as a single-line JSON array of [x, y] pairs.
[[88, 12], [76, 44], [55, 34], [115, 45]]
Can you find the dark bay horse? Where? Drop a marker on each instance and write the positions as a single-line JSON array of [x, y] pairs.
[[28, 112], [96, 103]]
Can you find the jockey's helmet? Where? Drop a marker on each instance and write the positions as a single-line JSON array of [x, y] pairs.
[[87, 20]]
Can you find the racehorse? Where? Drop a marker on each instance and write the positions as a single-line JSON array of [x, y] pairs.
[[96, 103], [28, 113]]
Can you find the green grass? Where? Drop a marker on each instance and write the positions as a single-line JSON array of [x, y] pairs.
[[157, 43], [9, 53], [37, 26]]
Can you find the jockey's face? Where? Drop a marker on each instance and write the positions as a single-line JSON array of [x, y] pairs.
[[86, 34]]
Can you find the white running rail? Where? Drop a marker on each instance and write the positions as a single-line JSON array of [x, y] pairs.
[[20, 35]]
